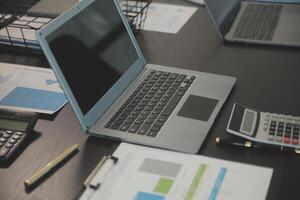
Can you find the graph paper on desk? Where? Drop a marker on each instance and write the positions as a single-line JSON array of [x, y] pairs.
[[143, 173]]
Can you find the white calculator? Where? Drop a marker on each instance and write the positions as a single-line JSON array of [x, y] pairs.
[[263, 127]]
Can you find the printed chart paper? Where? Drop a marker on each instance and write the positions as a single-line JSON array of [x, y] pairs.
[[30, 89], [144, 173], [167, 18]]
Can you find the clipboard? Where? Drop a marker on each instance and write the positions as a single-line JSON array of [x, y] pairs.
[[135, 172], [99, 173]]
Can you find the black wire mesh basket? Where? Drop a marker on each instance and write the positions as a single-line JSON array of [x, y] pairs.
[[18, 30], [136, 13]]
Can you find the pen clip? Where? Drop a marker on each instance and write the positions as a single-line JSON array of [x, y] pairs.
[[94, 179]]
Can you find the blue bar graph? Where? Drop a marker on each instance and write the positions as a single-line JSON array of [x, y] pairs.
[[218, 183], [148, 196]]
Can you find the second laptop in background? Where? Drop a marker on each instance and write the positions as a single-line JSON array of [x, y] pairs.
[[256, 22]]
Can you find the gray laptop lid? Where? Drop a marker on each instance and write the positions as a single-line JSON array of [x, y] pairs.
[[223, 13], [94, 56]]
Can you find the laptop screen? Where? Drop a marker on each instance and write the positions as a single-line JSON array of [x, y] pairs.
[[223, 12], [93, 50]]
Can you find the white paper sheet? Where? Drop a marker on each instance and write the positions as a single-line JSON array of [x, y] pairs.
[[144, 173], [167, 18], [30, 89]]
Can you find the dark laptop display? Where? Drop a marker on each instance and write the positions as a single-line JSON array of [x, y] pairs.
[[93, 55], [223, 12]]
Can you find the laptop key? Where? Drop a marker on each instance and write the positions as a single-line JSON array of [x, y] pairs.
[[129, 121], [134, 128], [158, 124], [143, 130], [155, 128], [125, 127], [183, 89], [149, 121], [152, 133], [180, 93], [180, 78], [173, 76], [171, 105], [115, 126], [138, 121], [162, 118]]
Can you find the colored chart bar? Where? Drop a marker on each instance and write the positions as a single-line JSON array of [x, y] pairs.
[[160, 167], [218, 183], [163, 186], [148, 196], [195, 182]]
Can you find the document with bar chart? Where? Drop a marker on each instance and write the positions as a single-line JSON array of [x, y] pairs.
[[144, 173]]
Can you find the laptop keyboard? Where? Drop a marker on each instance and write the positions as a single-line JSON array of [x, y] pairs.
[[258, 22], [150, 105]]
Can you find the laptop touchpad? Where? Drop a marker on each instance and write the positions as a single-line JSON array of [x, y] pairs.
[[197, 107]]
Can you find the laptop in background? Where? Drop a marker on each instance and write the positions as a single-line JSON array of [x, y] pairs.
[[256, 22], [116, 94]]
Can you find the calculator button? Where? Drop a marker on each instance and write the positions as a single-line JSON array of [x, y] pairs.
[[6, 135], [19, 133], [278, 139], [12, 141], [9, 145], [3, 151], [287, 140], [3, 139], [9, 132], [295, 141], [1, 144], [272, 131], [295, 136], [281, 124], [16, 137], [2, 132], [271, 138], [279, 133]]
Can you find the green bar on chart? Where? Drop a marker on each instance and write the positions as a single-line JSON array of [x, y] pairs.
[[195, 182], [163, 186]]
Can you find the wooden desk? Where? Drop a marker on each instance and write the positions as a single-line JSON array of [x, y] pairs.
[[268, 79]]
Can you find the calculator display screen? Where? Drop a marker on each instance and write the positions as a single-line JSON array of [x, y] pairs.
[[13, 124], [248, 122]]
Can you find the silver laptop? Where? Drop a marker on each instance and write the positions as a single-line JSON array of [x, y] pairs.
[[256, 22], [115, 94]]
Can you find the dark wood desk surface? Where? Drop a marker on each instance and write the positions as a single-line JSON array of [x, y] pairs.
[[268, 79]]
